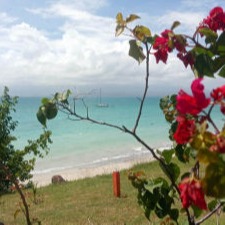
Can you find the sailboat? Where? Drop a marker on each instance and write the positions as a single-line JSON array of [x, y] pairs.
[[101, 104]]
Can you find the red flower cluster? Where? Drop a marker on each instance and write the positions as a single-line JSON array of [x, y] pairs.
[[184, 131], [187, 104], [215, 21], [218, 95], [187, 58], [162, 46], [219, 146], [191, 193], [167, 42]]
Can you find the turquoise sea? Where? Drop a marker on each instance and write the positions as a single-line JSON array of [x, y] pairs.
[[80, 144]]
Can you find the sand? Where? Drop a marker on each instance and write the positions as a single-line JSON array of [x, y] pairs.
[[80, 173]]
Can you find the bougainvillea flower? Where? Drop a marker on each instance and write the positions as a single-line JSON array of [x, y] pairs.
[[186, 58], [191, 193], [162, 55], [219, 146], [162, 46], [187, 104], [179, 43], [216, 20], [184, 131], [218, 94]]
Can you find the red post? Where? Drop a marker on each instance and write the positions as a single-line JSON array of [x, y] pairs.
[[116, 183]]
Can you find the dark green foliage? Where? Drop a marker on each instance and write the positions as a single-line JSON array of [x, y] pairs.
[[16, 164], [154, 195], [48, 109], [210, 60]]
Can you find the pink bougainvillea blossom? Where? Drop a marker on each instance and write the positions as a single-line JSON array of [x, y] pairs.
[[219, 146], [186, 58], [184, 131], [187, 104], [162, 46], [179, 43], [191, 193], [218, 94], [215, 21]]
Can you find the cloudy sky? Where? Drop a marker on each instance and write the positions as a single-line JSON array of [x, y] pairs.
[[51, 45]]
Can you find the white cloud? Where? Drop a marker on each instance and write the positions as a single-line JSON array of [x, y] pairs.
[[84, 5], [6, 19], [189, 20], [74, 59], [85, 55]]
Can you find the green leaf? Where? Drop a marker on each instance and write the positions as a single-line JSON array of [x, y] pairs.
[[173, 99], [160, 212], [63, 97], [174, 214], [155, 183], [197, 211], [44, 101], [119, 18], [175, 170], [51, 110], [172, 171], [141, 33], [212, 204], [222, 72], [218, 63], [204, 65], [151, 39], [164, 102], [183, 153], [214, 180], [221, 40], [131, 18], [121, 24], [136, 51], [199, 50], [174, 25], [168, 106], [210, 35], [167, 155], [41, 116]]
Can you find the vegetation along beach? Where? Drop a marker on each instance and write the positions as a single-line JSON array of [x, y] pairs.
[[112, 112]]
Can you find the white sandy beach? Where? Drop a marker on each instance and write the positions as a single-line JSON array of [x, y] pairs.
[[44, 179]]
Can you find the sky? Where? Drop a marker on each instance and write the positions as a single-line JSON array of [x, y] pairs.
[[47, 46]]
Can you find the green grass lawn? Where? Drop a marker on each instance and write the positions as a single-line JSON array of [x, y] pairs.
[[88, 201]]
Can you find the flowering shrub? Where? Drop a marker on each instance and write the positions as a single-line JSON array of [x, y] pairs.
[[195, 135], [197, 139]]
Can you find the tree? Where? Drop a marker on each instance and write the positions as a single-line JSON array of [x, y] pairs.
[[189, 115], [16, 165]]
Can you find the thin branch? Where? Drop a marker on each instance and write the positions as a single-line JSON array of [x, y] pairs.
[[145, 91], [210, 213], [68, 111], [208, 116]]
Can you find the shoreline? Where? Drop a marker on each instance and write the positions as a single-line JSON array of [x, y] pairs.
[[70, 174]]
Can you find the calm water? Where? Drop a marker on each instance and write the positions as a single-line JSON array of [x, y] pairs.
[[83, 144]]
